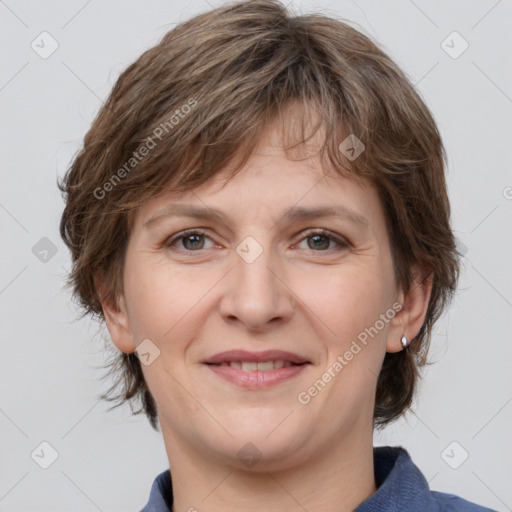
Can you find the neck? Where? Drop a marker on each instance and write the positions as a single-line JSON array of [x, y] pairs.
[[335, 481]]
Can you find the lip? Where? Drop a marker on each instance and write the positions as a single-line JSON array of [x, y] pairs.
[[255, 357], [257, 379]]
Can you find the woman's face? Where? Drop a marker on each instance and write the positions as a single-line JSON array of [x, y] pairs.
[[258, 276]]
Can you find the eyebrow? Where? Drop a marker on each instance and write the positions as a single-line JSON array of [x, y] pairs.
[[291, 214]]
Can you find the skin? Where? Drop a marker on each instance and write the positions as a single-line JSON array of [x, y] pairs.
[[195, 302]]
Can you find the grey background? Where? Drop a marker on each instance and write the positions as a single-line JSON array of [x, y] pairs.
[[49, 378]]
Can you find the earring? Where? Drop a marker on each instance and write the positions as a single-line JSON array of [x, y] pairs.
[[404, 341]]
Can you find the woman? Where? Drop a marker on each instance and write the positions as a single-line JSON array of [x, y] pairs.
[[259, 214]]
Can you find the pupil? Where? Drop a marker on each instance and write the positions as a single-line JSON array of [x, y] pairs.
[[316, 237], [194, 243]]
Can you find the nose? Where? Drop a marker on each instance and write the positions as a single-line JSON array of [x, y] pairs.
[[256, 292]]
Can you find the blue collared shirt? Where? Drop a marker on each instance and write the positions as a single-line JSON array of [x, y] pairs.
[[401, 487]]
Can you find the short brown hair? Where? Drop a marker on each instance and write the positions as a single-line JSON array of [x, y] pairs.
[[214, 84]]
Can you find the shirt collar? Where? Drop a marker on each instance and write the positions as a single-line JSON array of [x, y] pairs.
[[401, 487]]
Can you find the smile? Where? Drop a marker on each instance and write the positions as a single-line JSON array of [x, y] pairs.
[[251, 366], [252, 375]]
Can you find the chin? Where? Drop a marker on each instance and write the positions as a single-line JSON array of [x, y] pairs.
[[261, 449]]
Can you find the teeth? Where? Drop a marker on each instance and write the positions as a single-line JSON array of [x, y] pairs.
[[251, 366], [266, 365]]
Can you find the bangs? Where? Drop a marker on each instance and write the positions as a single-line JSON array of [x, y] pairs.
[[194, 139]]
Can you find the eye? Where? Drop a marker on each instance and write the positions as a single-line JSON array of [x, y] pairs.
[[191, 240], [321, 239]]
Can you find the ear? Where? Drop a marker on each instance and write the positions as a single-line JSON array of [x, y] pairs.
[[409, 320], [116, 320]]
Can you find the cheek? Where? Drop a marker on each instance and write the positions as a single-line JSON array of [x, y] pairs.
[[162, 298], [353, 333], [347, 301]]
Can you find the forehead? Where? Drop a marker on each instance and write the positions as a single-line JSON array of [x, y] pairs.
[[285, 171], [271, 186]]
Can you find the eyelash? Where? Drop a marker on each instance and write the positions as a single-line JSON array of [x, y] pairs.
[[342, 243]]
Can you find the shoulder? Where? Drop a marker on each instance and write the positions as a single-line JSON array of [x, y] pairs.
[[160, 497], [452, 503], [402, 487]]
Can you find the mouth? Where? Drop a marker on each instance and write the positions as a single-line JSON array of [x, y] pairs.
[[266, 357], [264, 366], [256, 370]]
